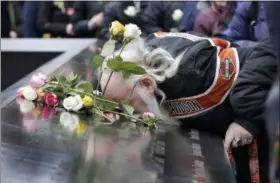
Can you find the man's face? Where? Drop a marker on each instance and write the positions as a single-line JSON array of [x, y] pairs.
[[118, 90]]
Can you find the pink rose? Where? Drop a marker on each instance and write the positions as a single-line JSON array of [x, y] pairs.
[[51, 99], [20, 91], [42, 76], [19, 99], [47, 113], [38, 80]]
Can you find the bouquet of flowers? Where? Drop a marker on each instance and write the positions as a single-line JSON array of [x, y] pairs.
[[78, 96]]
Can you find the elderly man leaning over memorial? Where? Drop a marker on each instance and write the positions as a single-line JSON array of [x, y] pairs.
[[205, 83]]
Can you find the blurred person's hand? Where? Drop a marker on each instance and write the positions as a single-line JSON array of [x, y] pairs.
[[13, 34], [236, 136], [69, 29], [96, 20]]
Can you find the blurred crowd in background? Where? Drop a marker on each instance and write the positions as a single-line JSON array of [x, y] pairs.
[[241, 22]]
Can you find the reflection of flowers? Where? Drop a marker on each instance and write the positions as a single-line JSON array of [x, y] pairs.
[[29, 124], [81, 128], [47, 113], [68, 120], [26, 106], [51, 99]]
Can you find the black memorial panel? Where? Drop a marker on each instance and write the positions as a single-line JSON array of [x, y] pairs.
[[16, 65]]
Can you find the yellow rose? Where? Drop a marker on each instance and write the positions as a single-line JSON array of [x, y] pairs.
[[40, 94], [81, 128], [87, 101], [117, 29]]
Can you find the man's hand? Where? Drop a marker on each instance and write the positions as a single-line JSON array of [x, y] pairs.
[[69, 29], [236, 136], [96, 20]]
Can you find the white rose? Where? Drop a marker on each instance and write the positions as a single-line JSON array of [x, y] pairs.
[[130, 11], [132, 31], [177, 14], [26, 106], [74, 103], [29, 93], [68, 120], [79, 103]]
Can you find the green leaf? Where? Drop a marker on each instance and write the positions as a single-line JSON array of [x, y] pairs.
[[71, 76], [49, 86], [137, 70], [97, 61], [114, 64], [105, 104], [128, 65], [85, 85], [76, 80], [125, 74], [62, 79], [108, 48], [128, 109]]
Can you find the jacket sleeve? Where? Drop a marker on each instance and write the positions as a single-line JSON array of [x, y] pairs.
[[43, 21], [188, 19], [152, 17], [201, 25], [110, 12], [249, 94], [79, 21], [238, 28]]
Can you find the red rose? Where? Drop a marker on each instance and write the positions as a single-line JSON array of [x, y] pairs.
[[47, 113], [51, 99]]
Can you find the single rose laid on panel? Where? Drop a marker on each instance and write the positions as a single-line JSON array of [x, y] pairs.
[[73, 103], [132, 31], [47, 113], [51, 99], [29, 93], [130, 11]]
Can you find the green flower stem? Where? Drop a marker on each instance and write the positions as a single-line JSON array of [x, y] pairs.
[[98, 83], [111, 73], [126, 115]]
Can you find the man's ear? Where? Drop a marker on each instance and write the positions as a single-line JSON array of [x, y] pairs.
[[148, 83]]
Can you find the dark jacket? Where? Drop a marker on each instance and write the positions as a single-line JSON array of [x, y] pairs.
[[83, 12], [158, 16], [213, 20], [115, 11], [240, 30], [198, 67], [30, 14], [52, 19]]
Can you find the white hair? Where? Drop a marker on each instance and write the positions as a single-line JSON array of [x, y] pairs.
[[158, 63]]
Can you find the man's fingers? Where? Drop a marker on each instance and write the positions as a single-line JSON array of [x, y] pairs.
[[228, 140]]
